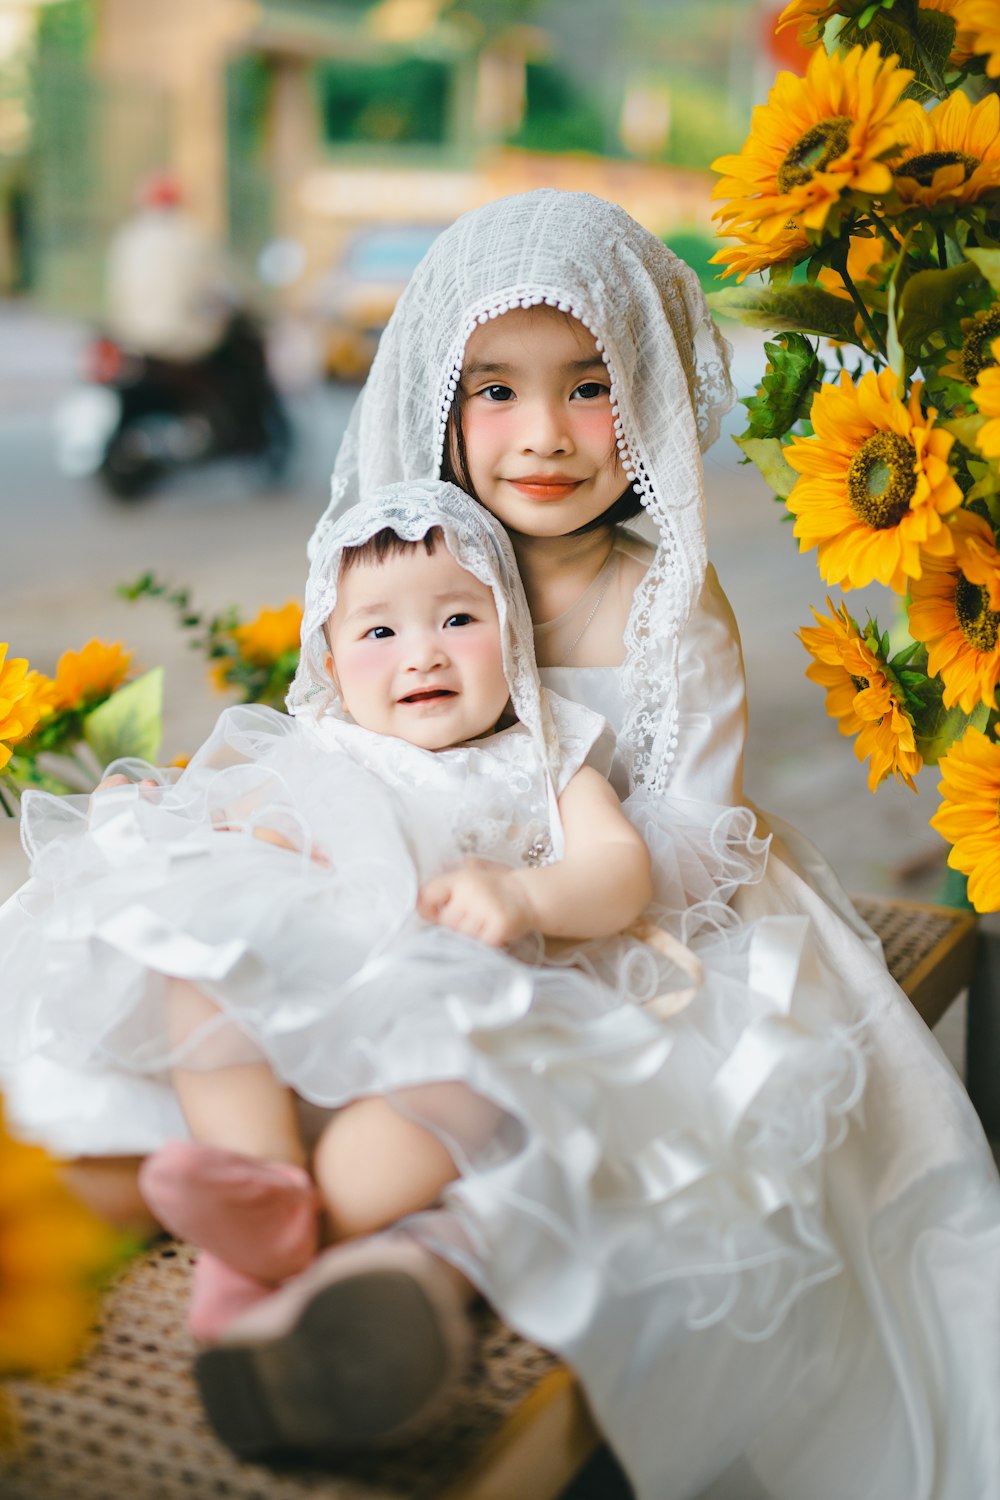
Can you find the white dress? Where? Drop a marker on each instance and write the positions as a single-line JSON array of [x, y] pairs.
[[279, 872], [641, 1170], [883, 1381]]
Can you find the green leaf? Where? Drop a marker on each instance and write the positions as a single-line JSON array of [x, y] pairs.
[[987, 482], [769, 456], [924, 47], [799, 309], [786, 389], [130, 722], [965, 429], [927, 300], [941, 727], [988, 264]]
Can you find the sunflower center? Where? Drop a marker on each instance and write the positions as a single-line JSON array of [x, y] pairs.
[[814, 151], [861, 684], [924, 166], [980, 624], [881, 480], [976, 354]]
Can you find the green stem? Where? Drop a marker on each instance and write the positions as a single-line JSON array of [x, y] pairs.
[[884, 230], [4, 803], [942, 248], [863, 312]]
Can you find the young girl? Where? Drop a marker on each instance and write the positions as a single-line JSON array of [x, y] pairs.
[[561, 362]]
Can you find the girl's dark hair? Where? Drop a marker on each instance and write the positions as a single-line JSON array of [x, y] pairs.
[[386, 543], [456, 471]]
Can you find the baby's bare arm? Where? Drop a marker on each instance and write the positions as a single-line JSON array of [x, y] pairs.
[[603, 881], [600, 885]]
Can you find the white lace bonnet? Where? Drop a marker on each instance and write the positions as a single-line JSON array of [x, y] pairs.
[[670, 388], [478, 543]]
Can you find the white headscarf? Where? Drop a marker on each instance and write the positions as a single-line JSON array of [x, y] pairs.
[[477, 542], [670, 386]]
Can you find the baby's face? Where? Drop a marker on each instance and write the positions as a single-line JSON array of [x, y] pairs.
[[415, 649]]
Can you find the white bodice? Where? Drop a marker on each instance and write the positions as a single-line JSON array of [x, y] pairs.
[[711, 730]]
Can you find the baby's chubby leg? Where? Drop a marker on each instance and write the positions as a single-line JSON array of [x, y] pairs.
[[378, 1161], [240, 1107], [109, 1185]]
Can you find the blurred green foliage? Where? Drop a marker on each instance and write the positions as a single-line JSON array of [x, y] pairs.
[[558, 115], [697, 250], [401, 102], [67, 27]]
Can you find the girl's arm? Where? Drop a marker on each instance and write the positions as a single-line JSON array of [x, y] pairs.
[[601, 884]]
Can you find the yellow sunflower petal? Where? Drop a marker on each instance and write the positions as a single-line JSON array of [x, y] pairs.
[[90, 675], [270, 635]]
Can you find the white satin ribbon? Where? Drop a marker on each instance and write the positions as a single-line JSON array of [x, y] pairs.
[[149, 940]]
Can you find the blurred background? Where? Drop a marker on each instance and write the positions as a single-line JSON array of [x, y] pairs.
[[312, 149]]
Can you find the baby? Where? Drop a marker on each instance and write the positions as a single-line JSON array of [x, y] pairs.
[[336, 907]]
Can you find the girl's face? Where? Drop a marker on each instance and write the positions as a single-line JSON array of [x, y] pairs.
[[537, 423], [415, 649]]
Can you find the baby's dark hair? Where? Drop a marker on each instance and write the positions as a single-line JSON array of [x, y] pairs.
[[455, 469], [386, 543]]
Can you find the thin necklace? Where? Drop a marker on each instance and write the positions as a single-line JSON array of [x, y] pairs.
[[596, 606]]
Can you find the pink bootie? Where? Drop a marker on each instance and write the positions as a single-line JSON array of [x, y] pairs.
[[260, 1218]]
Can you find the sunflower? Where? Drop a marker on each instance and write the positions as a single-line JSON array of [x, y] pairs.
[[952, 152], [86, 677], [968, 816], [25, 697], [52, 1251], [274, 632], [751, 253], [987, 394], [862, 696], [976, 354], [982, 19], [953, 612], [817, 138], [874, 483]]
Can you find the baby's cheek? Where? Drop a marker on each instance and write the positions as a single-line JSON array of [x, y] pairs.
[[361, 667], [482, 655]]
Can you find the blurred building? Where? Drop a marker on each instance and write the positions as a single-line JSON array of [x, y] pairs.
[[298, 121]]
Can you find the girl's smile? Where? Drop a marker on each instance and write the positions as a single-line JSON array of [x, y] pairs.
[[537, 424]]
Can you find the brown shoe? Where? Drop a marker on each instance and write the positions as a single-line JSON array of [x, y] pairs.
[[360, 1351]]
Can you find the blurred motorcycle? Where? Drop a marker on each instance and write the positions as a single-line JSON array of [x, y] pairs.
[[137, 418]]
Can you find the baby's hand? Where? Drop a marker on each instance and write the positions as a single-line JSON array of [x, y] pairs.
[[482, 899]]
